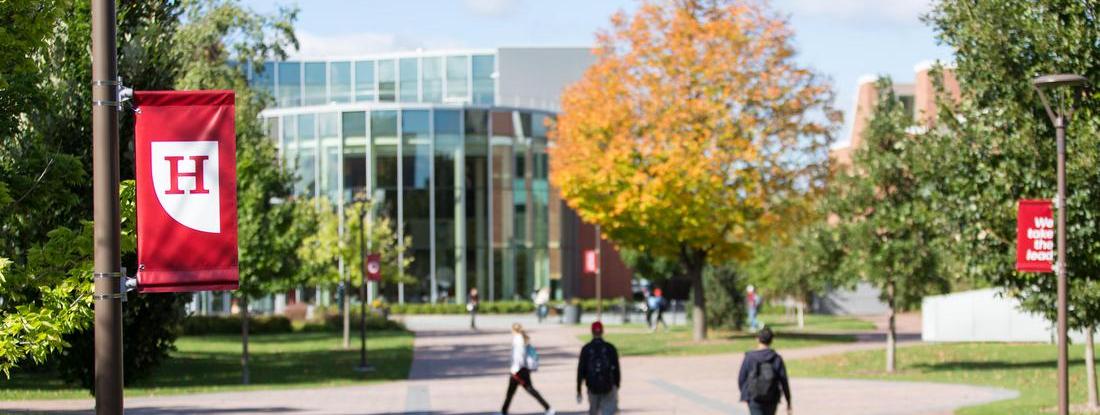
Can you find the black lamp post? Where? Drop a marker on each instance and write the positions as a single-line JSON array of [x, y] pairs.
[[364, 366], [1059, 116]]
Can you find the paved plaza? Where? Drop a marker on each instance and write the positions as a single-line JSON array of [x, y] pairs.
[[457, 371]]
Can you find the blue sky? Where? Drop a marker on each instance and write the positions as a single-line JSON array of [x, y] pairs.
[[842, 39]]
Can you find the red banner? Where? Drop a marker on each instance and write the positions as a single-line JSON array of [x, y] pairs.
[[186, 191], [1035, 236], [591, 262], [374, 267]]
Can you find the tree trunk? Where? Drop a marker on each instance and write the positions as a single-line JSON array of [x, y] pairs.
[[347, 316], [244, 339], [1090, 368], [699, 300], [891, 334], [800, 308]]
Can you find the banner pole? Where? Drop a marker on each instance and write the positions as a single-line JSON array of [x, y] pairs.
[[108, 301]]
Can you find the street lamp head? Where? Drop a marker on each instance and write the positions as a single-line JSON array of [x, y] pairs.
[[1058, 80]]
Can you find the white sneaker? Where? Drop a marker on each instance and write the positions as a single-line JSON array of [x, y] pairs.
[[551, 411]]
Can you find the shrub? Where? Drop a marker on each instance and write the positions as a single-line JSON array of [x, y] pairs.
[[203, 325], [725, 298]]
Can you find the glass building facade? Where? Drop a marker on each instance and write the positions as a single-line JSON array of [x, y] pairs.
[[422, 133]]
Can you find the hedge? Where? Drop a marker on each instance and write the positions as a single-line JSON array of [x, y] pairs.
[[203, 325]]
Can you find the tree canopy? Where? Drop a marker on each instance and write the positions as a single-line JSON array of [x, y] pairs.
[[693, 134]]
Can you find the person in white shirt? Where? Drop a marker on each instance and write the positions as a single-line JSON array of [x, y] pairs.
[[523, 358]]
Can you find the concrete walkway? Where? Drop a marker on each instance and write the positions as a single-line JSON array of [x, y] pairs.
[[457, 371]]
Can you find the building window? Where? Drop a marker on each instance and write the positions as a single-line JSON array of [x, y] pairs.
[[265, 79], [364, 81], [457, 76], [307, 156], [432, 83], [355, 154], [290, 84], [315, 83], [409, 75], [483, 83], [339, 75], [387, 81]]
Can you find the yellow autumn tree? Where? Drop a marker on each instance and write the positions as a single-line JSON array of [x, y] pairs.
[[694, 135]]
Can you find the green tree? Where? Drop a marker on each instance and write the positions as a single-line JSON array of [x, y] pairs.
[[882, 209], [218, 42], [996, 145], [817, 249]]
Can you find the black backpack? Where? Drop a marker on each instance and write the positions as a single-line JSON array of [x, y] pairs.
[[598, 368], [763, 384]]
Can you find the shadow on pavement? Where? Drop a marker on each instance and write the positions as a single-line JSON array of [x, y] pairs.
[[185, 410], [448, 360]]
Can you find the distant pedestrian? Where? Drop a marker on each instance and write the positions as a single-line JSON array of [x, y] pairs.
[[658, 302], [599, 370], [542, 303], [752, 305], [763, 377], [471, 306], [524, 361]]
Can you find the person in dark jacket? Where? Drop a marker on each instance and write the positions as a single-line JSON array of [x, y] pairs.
[[751, 371], [599, 370]]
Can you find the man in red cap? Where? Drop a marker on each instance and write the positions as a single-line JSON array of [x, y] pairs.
[[599, 370]]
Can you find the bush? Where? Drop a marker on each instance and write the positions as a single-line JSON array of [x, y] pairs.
[[150, 325], [335, 322], [203, 325]]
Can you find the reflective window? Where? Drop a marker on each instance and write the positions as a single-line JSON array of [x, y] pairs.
[[384, 141], [307, 156], [387, 78], [457, 76], [330, 156], [476, 170], [355, 153], [409, 75], [432, 83], [450, 271], [339, 76], [416, 161], [264, 80], [290, 84], [364, 81], [484, 89], [315, 85]]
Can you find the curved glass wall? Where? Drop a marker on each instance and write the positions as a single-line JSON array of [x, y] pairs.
[[467, 186]]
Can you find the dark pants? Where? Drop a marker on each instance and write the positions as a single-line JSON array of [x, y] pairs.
[[759, 408], [522, 378]]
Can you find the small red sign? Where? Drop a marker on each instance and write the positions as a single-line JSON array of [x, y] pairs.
[[186, 148], [1035, 236], [374, 267], [591, 261]]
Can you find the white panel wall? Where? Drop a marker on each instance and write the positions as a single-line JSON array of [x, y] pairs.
[[982, 315]]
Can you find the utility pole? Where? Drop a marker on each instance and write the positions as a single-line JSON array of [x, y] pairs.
[[107, 269]]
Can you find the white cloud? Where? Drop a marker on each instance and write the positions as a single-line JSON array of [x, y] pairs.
[[869, 11], [492, 8], [314, 46]]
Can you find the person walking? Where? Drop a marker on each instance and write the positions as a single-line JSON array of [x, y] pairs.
[[598, 369], [763, 377], [524, 361], [752, 304], [658, 302], [542, 303], [471, 306]]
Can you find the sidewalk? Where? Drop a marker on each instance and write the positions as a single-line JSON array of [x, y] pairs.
[[457, 371]]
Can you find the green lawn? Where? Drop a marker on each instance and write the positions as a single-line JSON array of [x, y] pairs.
[[636, 340], [1027, 368], [212, 363]]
